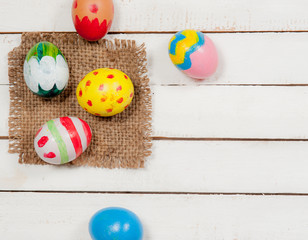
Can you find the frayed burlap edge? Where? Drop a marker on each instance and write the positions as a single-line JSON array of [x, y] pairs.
[[16, 111]]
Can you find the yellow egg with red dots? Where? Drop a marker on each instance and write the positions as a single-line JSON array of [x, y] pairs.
[[105, 92]]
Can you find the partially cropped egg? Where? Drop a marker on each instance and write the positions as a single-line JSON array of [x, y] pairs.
[[92, 18], [115, 223], [105, 92], [45, 70], [193, 53], [62, 140]]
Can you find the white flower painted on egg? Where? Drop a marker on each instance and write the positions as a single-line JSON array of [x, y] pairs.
[[45, 70]]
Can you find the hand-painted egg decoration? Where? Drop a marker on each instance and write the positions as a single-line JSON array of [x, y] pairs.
[[115, 223], [193, 53], [62, 140], [105, 92], [92, 18], [45, 70]]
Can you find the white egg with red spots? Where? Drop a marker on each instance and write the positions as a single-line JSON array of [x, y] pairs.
[[62, 140]]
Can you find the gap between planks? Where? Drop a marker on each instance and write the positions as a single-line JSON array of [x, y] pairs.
[[220, 85], [228, 139], [172, 32], [158, 138], [157, 193]]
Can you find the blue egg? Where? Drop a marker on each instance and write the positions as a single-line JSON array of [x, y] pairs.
[[115, 223]]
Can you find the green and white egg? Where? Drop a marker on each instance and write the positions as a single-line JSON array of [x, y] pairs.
[[46, 70]]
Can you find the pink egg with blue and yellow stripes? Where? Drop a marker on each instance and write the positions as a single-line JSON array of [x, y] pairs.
[[193, 53], [62, 140]]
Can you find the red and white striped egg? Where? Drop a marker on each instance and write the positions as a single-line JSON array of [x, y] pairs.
[[62, 140]]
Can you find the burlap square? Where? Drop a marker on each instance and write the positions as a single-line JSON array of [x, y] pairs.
[[119, 141]]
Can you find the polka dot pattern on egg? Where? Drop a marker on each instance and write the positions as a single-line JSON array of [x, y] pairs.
[[105, 92]]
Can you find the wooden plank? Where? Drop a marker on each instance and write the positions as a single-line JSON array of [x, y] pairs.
[[7, 43], [245, 59], [230, 112], [66, 216], [176, 166], [161, 15], [4, 109], [220, 112]]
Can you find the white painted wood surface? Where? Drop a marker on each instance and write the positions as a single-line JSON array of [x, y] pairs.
[[162, 15], [231, 104], [181, 217], [177, 166], [221, 111], [245, 58]]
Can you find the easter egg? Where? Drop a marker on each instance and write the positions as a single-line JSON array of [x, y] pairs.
[[62, 140], [105, 92], [92, 18], [45, 70], [193, 53], [115, 223]]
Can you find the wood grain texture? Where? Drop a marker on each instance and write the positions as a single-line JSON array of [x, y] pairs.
[[162, 15], [183, 109], [182, 217], [220, 112], [245, 59], [7, 43], [4, 109], [181, 166], [226, 111]]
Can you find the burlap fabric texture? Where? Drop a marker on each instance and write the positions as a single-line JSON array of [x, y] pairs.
[[119, 141]]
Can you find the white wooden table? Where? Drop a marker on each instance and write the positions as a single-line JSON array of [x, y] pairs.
[[230, 154]]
